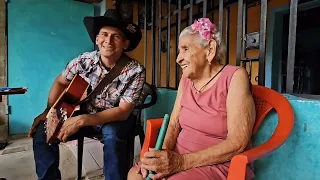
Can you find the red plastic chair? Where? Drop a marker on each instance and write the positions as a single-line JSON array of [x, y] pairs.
[[265, 99]]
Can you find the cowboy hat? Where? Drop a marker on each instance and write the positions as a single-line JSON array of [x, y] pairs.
[[112, 18]]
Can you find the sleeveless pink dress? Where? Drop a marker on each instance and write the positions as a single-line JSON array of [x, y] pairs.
[[203, 119]]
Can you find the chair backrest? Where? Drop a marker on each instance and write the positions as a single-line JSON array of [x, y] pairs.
[[147, 91], [262, 107], [165, 102], [267, 99]]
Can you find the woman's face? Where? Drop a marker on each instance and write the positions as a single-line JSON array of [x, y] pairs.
[[193, 57]]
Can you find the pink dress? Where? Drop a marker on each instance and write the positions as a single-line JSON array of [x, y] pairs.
[[203, 119]]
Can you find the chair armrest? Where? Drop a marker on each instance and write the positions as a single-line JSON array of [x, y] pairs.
[[153, 126], [239, 162]]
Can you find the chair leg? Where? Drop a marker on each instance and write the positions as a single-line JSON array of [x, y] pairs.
[[80, 155], [141, 136]]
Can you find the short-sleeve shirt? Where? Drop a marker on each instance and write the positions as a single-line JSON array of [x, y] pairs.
[[124, 88]]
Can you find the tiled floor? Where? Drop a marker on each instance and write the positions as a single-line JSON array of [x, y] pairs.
[[93, 154], [16, 160]]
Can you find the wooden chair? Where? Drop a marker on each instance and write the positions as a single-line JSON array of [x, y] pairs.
[[265, 100], [148, 90]]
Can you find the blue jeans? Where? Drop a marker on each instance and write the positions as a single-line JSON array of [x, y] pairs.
[[115, 151]]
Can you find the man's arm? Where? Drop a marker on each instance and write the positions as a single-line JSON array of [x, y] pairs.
[[62, 81], [59, 84], [122, 112]]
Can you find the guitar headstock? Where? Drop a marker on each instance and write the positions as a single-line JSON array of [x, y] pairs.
[[54, 121]]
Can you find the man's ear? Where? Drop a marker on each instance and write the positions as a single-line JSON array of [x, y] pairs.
[[97, 39], [126, 44], [211, 53]]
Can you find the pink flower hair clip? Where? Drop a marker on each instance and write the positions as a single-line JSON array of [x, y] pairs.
[[205, 28]]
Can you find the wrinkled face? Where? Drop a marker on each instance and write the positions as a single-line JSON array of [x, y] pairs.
[[192, 56], [111, 42]]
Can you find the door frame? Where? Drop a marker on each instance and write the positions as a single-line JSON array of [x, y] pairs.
[[4, 128], [274, 45]]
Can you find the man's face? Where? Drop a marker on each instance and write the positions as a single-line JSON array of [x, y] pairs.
[[111, 42]]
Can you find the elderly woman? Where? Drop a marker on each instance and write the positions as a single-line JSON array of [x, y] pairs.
[[213, 115]]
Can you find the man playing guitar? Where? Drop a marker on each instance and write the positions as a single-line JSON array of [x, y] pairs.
[[108, 111]]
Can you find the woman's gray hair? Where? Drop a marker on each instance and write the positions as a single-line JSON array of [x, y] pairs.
[[221, 48]]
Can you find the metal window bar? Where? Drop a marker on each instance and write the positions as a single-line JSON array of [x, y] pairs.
[[204, 8], [190, 12], [212, 13], [227, 34], [153, 41], [195, 2], [212, 10], [244, 32], [291, 45], [178, 30], [168, 43], [239, 32], [262, 42], [159, 42], [220, 15], [145, 34]]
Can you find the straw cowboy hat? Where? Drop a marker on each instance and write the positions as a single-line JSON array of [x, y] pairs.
[[112, 18]]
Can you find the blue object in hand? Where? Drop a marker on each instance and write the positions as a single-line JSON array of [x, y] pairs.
[[161, 136]]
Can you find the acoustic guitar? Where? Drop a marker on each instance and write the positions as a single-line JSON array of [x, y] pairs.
[[74, 95], [65, 106]]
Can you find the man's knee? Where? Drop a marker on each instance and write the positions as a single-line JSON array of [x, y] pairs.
[[117, 131]]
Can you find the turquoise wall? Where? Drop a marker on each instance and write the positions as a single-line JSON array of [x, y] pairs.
[[42, 37], [298, 158]]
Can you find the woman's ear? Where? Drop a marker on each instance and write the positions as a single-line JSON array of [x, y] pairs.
[[211, 53]]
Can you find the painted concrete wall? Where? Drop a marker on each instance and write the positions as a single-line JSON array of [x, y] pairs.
[[298, 158], [43, 38], [3, 71]]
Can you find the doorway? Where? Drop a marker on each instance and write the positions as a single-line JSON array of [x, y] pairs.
[[307, 33], [307, 52]]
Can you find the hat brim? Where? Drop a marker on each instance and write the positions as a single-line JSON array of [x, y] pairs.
[[94, 24]]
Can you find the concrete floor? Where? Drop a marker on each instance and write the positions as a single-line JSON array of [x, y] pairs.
[[16, 160]]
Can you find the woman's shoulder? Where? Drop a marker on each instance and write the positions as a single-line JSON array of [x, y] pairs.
[[230, 71], [232, 68]]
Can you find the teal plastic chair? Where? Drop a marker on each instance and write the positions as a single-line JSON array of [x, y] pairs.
[[165, 102]]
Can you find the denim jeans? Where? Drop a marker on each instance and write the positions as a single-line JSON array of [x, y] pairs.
[[115, 140]]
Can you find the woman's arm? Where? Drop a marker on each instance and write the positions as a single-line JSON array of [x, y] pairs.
[[240, 120], [174, 126]]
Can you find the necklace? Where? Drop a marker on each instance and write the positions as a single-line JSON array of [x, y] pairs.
[[199, 91]]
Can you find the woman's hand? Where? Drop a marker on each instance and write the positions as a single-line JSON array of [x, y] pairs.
[[163, 162], [141, 170]]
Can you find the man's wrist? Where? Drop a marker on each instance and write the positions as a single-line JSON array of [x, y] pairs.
[[82, 120]]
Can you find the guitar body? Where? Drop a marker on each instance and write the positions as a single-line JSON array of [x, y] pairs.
[[65, 106]]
